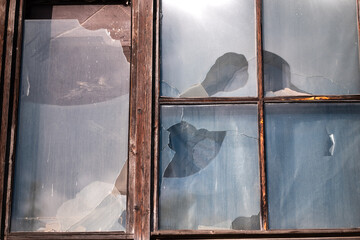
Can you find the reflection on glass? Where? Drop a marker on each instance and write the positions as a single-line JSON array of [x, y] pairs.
[[71, 153], [313, 165], [311, 47], [208, 48], [209, 175]]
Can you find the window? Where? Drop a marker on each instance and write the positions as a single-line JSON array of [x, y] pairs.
[[94, 51], [71, 149], [252, 108], [242, 121]]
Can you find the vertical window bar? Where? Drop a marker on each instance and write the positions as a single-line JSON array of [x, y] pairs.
[[15, 19], [261, 122], [358, 22], [156, 119]]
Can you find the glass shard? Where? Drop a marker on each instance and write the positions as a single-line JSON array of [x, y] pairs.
[[194, 149], [246, 223]]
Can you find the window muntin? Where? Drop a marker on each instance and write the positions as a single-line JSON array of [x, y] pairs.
[[71, 155]]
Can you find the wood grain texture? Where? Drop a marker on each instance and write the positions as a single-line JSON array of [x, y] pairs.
[[261, 119], [314, 98], [358, 24], [9, 60], [141, 136], [70, 236], [14, 102], [3, 11], [77, 2], [156, 128], [269, 234], [3, 35], [207, 101]]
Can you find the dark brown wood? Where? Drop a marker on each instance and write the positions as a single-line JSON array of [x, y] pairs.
[[83, 235], [15, 79], [258, 11], [3, 11], [3, 15], [132, 137], [8, 65], [249, 100], [261, 119], [15, 19], [262, 162], [273, 238], [207, 101], [141, 138], [358, 25], [132, 128], [292, 99], [262, 237], [75, 2], [230, 234], [156, 164]]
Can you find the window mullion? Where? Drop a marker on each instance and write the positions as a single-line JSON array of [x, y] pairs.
[[156, 124], [261, 120]]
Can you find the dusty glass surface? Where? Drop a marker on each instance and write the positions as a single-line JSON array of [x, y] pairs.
[[311, 47], [209, 174], [71, 153], [313, 165], [208, 48]]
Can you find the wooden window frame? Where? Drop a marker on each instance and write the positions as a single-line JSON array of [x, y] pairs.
[[145, 103], [138, 204], [260, 100]]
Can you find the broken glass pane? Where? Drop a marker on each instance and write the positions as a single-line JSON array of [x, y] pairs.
[[208, 48], [71, 153], [311, 47], [313, 165], [209, 174]]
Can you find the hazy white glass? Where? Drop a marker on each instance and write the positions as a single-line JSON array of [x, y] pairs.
[[72, 130], [311, 47], [208, 48]]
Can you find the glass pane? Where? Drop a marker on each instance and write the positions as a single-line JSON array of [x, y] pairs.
[[208, 48], [209, 174], [311, 47], [71, 153], [313, 165]]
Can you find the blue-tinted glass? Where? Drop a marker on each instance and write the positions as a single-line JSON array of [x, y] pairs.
[[313, 165], [208, 48], [311, 47], [73, 124], [209, 174]]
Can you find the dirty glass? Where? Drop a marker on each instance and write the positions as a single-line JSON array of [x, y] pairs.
[[311, 47], [209, 174], [208, 48], [313, 165], [71, 152]]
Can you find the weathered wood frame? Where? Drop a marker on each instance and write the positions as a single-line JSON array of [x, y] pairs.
[[261, 100], [140, 132], [145, 103]]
